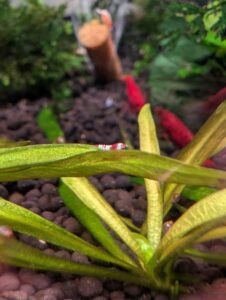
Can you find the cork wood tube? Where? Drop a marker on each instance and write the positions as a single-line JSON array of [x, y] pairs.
[[96, 38]]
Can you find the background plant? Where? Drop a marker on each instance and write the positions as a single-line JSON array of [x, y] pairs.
[[186, 50], [37, 51]]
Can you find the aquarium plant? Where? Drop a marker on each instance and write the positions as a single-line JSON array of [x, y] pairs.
[[154, 252]]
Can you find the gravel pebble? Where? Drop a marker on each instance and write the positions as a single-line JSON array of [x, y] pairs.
[[138, 217], [113, 285], [108, 182], [44, 203], [133, 290], [14, 295], [35, 210], [80, 258], [123, 182], [28, 288], [124, 195], [72, 225], [117, 295], [63, 254], [48, 215], [56, 203], [26, 185], [28, 204], [96, 183], [16, 198], [139, 203], [49, 189], [33, 193], [9, 282], [90, 287], [111, 196], [124, 207], [38, 280], [70, 288], [147, 296], [50, 293], [140, 191]]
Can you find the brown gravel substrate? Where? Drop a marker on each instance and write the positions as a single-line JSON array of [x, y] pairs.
[[95, 118]]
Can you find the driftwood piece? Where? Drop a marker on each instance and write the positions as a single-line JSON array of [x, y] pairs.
[[97, 40]]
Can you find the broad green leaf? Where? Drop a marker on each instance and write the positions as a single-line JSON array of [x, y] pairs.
[[87, 193], [137, 180], [210, 209], [91, 221], [217, 233], [130, 224], [220, 146], [216, 258], [196, 193], [18, 254], [125, 137], [213, 39], [48, 123], [166, 86], [149, 143], [178, 246], [201, 147], [145, 246], [22, 220], [211, 17], [86, 216], [45, 161], [207, 138], [6, 143]]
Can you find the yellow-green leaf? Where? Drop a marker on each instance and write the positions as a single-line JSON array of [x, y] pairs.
[[91, 221], [42, 161], [87, 193], [149, 143], [18, 254], [23, 220], [209, 210], [201, 147]]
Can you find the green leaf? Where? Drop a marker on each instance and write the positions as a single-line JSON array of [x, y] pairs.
[[145, 247], [6, 143], [178, 246], [209, 210], [214, 39], [45, 161], [136, 180], [201, 147], [87, 193], [165, 84], [22, 220], [211, 17], [18, 254], [149, 143], [130, 224], [48, 123], [91, 221], [217, 233], [196, 193], [216, 258]]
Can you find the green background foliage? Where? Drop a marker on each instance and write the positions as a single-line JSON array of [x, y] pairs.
[[37, 50], [185, 50]]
